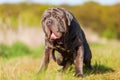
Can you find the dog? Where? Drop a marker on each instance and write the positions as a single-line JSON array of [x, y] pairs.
[[64, 34]]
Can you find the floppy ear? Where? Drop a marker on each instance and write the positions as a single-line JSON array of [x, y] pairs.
[[45, 29], [69, 17]]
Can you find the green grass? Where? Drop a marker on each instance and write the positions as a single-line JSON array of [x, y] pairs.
[[17, 49], [105, 61]]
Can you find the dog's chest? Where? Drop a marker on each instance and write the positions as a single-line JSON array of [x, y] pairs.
[[62, 49]]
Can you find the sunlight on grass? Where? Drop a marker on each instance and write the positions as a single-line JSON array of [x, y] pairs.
[[105, 61]]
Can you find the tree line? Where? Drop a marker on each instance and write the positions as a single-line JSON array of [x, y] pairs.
[[104, 19]]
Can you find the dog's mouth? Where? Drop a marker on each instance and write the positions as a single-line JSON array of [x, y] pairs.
[[54, 33], [54, 36]]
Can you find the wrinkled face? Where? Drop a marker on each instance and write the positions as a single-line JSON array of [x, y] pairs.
[[54, 23]]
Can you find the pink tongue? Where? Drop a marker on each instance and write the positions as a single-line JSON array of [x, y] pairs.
[[53, 36]]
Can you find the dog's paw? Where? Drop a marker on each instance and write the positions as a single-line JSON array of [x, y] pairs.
[[60, 70], [78, 75]]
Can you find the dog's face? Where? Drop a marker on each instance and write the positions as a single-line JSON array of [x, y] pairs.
[[55, 22]]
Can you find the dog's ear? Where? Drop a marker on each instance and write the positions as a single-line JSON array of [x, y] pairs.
[[69, 17]]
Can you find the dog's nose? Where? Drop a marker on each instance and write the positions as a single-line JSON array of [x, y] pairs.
[[49, 22]]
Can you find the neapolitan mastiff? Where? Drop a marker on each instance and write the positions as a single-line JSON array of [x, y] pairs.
[[64, 34]]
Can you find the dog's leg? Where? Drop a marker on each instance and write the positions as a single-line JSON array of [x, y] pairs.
[[88, 64], [45, 60], [87, 56], [64, 62], [79, 62], [65, 67], [59, 59]]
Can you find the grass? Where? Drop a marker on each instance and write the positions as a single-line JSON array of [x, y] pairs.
[[105, 61], [17, 49]]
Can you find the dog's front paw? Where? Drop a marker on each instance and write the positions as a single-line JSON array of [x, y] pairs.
[[78, 75], [60, 70]]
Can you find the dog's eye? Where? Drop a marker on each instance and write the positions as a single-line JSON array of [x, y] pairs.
[[45, 17]]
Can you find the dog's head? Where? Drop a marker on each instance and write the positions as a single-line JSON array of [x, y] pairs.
[[55, 22]]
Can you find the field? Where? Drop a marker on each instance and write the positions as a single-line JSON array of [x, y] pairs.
[[21, 41], [105, 61]]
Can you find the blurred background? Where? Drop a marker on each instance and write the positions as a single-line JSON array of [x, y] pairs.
[[22, 38], [20, 19]]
